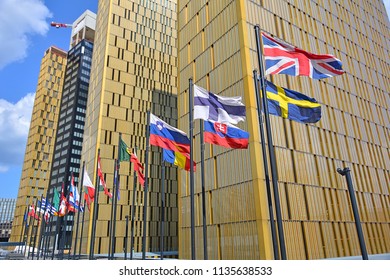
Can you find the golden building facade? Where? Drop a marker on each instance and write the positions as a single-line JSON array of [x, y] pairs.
[[217, 49], [41, 137], [134, 66]]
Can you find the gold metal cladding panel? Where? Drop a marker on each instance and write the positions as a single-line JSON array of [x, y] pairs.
[[127, 52], [39, 147]]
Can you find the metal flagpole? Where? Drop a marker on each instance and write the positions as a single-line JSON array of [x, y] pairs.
[[23, 231], [146, 185], [82, 229], [36, 230], [132, 212], [76, 208], [43, 227], [162, 208], [31, 225], [95, 211], [78, 212], [265, 163], [111, 217], [115, 203], [192, 195], [270, 148], [115, 195], [126, 236], [57, 229], [202, 145], [346, 172]]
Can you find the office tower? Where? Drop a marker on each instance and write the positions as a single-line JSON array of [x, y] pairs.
[[134, 62], [7, 210], [217, 49], [67, 149], [41, 137]]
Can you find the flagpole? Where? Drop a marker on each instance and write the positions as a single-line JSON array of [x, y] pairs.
[[64, 223], [270, 148], [114, 202], [111, 217], [146, 184], [162, 209], [95, 211], [126, 236], [36, 230], [31, 232], [115, 194], [192, 195], [47, 237], [82, 227], [57, 225], [132, 211], [265, 163], [78, 212], [75, 209], [202, 146], [23, 231], [43, 227]]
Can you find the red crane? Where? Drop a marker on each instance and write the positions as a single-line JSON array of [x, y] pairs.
[[58, 25]]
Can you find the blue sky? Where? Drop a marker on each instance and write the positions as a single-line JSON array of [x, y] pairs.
[[25, 34]]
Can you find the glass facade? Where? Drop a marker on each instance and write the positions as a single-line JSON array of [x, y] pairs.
[[7, 210], [67, 149]]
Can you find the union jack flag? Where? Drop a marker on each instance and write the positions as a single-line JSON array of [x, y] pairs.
[[282, 58]]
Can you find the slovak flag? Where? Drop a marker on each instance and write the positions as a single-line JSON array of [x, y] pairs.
[[282, 58], [226, 135]]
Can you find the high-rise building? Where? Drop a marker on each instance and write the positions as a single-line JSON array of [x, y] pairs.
[[69, 138], [7, 210], [134, 66], [41, 137], [217, 49]]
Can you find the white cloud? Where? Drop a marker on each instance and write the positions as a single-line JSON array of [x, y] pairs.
[[19, 19], [14, 126]]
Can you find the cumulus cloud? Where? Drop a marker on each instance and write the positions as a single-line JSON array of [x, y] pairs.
[[14, 126], [19, 20]]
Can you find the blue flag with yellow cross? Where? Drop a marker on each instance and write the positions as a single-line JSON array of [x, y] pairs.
[[292, 105]]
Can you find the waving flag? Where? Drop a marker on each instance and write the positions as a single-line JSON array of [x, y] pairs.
[[74, 197], [226, 135], [179, 159], [138, 168], [32, 213], [89, 192], [168, 137], [101, 179], [282, 58], [292, 105], [62, 210], [209, 106]]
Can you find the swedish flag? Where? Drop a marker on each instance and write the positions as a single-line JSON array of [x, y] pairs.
[[292, 105]]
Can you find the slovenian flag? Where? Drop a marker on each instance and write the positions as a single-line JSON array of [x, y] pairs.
[[168, 137], [226, 135]]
